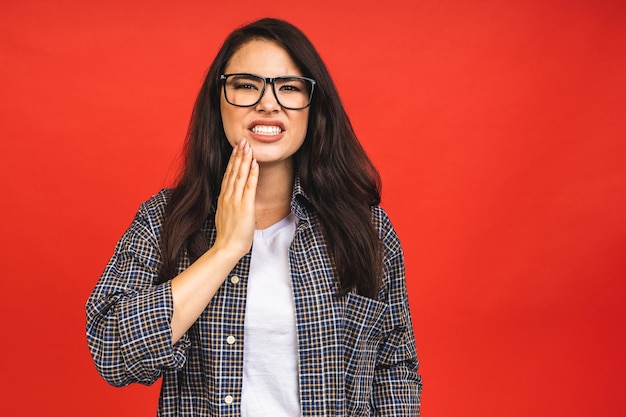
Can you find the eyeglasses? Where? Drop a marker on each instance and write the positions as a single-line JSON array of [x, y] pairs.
[[246, 90]]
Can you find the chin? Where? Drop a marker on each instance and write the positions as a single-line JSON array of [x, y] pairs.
[[268, 159]]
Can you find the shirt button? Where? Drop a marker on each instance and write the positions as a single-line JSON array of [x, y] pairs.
[[230, 340], [228, 399], [234, 279]]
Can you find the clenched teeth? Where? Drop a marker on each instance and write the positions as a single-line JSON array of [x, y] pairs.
[[266, 130]]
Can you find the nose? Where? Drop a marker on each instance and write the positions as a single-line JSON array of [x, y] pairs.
[[268, 102]]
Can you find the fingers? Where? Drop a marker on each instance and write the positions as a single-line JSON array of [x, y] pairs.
[[235, 215], [240, 178], [249, 192], [241, 173]]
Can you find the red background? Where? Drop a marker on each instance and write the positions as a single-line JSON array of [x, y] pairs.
[[498, 128]]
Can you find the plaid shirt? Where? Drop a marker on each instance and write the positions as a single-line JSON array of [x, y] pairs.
[[356, 355]]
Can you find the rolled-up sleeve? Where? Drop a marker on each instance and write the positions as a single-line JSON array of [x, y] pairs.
[[128, 317]]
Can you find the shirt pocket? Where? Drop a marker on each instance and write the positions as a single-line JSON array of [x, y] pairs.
[[363, 333], [363, 319]]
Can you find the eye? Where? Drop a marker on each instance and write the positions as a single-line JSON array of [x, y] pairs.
[[292, 85], [294, 88], [245, 82], [244, 85]]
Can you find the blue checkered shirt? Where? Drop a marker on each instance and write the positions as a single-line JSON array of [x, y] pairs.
[[356, 355]]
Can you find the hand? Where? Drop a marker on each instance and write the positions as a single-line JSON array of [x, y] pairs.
[[235, 218]]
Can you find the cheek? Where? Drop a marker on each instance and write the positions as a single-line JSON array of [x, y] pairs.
[[229, 121], [304, 124], [300, 121]]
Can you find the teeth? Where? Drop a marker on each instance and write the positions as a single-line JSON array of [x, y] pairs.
[[266, 130]]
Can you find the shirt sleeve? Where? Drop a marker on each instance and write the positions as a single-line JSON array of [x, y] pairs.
[[397, 386], [128, 317]]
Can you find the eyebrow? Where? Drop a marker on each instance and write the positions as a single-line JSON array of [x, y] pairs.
[[238, 75]]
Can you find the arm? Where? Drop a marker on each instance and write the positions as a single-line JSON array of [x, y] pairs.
[[128, 329], [397, 384], [134, 328], [194, 288]]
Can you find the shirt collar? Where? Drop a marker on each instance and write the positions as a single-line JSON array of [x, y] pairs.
[[300, 203]]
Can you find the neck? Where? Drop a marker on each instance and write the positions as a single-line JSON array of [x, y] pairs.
[[273, 194]]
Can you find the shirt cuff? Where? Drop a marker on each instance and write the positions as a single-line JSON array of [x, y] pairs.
[[146, 333]]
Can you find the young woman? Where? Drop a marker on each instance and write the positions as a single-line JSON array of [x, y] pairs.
[[268, 282]]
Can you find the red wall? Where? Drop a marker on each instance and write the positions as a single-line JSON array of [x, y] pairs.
[[498, 127]]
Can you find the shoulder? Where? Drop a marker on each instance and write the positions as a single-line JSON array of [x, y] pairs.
[[157, 202], [150, 215], [386, 232], [154, 207]]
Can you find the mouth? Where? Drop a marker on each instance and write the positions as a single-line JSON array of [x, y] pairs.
[[267, 128]]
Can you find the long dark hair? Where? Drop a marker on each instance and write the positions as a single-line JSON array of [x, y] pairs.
[[334, 170]]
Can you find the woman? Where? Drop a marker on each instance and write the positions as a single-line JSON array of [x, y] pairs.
[[268, 281]]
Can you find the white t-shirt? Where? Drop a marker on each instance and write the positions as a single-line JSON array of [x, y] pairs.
[[270, 359]]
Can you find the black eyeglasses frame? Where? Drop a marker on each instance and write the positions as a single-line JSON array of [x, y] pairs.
[[266, 81]]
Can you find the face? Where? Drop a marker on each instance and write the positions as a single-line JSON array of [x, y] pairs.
[[273, 132]]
